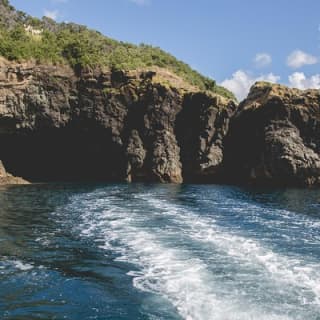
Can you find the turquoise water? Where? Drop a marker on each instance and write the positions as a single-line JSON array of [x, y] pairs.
[[159, 252]]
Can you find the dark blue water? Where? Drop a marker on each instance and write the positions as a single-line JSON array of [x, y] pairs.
[[158, 252]]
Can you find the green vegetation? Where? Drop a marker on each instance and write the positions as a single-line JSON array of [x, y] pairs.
[[48, 41]]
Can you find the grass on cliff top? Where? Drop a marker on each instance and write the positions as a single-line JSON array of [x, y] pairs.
[[49, 41]]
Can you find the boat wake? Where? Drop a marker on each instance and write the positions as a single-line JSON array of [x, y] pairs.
[[204, 268]]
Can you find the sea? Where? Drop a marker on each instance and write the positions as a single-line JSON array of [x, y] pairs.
[[159, 251]]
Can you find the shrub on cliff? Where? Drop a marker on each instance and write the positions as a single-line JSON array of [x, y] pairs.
[[23, 37]]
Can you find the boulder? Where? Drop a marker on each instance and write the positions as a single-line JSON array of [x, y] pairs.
[[7, 179]]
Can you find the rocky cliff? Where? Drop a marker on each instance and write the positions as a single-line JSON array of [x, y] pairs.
[[99, 124], [57, 124], [274, 137]]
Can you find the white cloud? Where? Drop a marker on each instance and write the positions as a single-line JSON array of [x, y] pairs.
[[141, 2], [52, 14], [241, 82], [262, 60], [298, 59], [300, 81]]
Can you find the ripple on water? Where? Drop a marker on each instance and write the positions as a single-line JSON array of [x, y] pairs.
[[175, 272], [159, 252]]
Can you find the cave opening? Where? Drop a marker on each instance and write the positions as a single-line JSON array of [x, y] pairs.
[[78, 152]]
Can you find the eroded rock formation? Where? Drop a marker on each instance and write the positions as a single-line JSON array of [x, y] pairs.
[[201, 127], [105, 125], [274, 137]]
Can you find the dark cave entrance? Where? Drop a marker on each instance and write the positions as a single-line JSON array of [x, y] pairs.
[[75, 153]]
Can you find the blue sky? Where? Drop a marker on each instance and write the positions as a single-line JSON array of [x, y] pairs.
[[233, 41]]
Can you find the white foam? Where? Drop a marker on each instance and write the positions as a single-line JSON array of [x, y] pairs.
[[275, 219], [172, 272], [287, 270], [16, 264], [23, 266]]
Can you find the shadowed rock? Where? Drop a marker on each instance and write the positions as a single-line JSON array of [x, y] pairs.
[[99, 124], [274, 137], [105, 125]]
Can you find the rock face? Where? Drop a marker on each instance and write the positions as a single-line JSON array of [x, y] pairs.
[[56, 124], [201, 127], [274, 138], [7, 178]]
